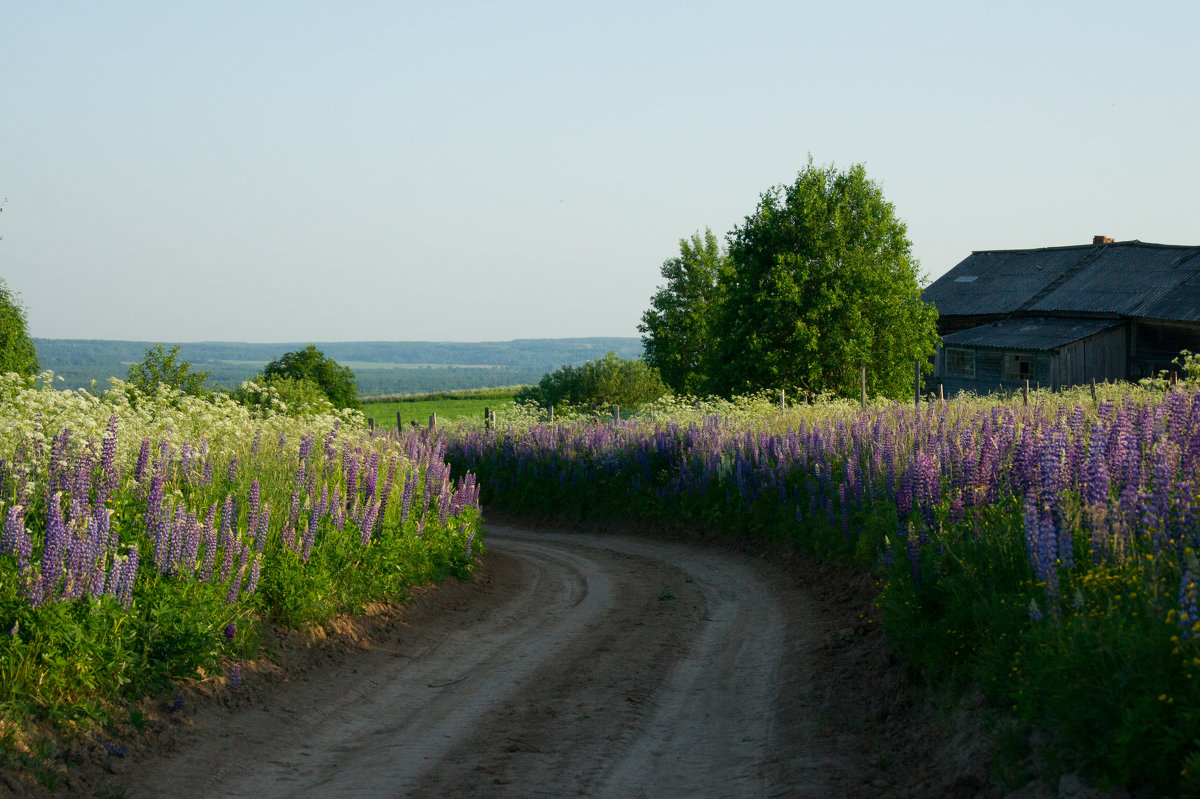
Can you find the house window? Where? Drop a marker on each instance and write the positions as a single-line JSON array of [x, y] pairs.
[[1018, 367], [960, 363]]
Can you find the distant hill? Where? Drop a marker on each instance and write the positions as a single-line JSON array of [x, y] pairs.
[[381, 367]]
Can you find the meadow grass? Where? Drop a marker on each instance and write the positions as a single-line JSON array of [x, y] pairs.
[[451, 407]]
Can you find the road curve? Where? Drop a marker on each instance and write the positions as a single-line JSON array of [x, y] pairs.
[[598, 665]]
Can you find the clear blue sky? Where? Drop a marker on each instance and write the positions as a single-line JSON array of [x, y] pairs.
[[299, 171]]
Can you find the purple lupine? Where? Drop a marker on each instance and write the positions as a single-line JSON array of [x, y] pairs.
[[367, 526], [230, 630], [410, 482], [210, 538], [235, 677], [129, 569], [260, 538], [314, 518], [255, 498], [54, 549], [14, 529], [231, 472], [143, 462], [255, 569]]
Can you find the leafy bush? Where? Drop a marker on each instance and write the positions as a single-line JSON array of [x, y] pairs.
[[335, 380], [162, 367], [601, 383]]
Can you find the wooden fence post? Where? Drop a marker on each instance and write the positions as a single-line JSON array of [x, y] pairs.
[[399, 424], [371, 423], [432, 420], [941, 393], [487, 419], [616, 413], [1026, 392], [782, 400], [551, 414], [1094, 392]]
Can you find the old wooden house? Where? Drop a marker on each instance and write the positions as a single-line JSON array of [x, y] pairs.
[[1061, 316]]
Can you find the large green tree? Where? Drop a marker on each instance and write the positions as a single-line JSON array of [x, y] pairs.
[[17, 353], [821, 282], [335, 380], [677, 329]]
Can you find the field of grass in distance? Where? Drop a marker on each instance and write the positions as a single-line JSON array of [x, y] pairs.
[[450, 406]]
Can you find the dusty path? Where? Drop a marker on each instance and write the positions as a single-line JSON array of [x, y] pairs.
[[588, 665]]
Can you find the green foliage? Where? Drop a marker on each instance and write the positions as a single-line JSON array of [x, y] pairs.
[[605, 382], [817, 283], [335, 380], [677, 329], [162, 367], [822, 282], [17, 353], [295, 397]]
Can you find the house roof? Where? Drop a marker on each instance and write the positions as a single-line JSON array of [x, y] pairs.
[[1127, 278], [1028, 333]]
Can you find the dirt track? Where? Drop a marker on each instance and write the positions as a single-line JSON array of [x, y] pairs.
[[582, 664]]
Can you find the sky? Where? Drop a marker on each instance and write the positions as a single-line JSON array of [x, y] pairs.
[[479, 171]]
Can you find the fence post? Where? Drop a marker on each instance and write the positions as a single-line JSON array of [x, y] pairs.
[[616, 413], [487, 419], [1094, 392], [432, 420], [782, 400], [941, 393], [1026, 392], [551, 414], [371, 423], [864, 388], [399, 424]]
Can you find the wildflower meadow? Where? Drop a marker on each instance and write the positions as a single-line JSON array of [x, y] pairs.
[[148, 540]]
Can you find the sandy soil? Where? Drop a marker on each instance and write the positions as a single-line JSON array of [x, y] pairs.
[[577, 664]]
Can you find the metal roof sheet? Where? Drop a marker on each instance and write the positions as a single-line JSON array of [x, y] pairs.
[[1030, 333], [1129, 278], [999, 281], [1125, 279]]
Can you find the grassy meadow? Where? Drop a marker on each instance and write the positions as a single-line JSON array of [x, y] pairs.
[[451, 407]]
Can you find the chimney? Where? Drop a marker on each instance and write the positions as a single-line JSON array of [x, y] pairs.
[[1101, 240]]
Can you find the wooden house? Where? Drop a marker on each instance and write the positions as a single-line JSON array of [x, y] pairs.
[[1062, 316]]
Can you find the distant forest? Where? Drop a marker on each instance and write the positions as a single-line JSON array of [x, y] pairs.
[[380, 367]]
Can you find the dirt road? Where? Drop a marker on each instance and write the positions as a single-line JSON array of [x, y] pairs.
[[584, 664]]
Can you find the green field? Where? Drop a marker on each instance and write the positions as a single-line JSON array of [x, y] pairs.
[[450, 407]]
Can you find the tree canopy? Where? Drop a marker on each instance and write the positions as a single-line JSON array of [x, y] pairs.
[[677, 329], [17, 352], [602, 383], [819, 281], [336, 381], [163, 366]]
